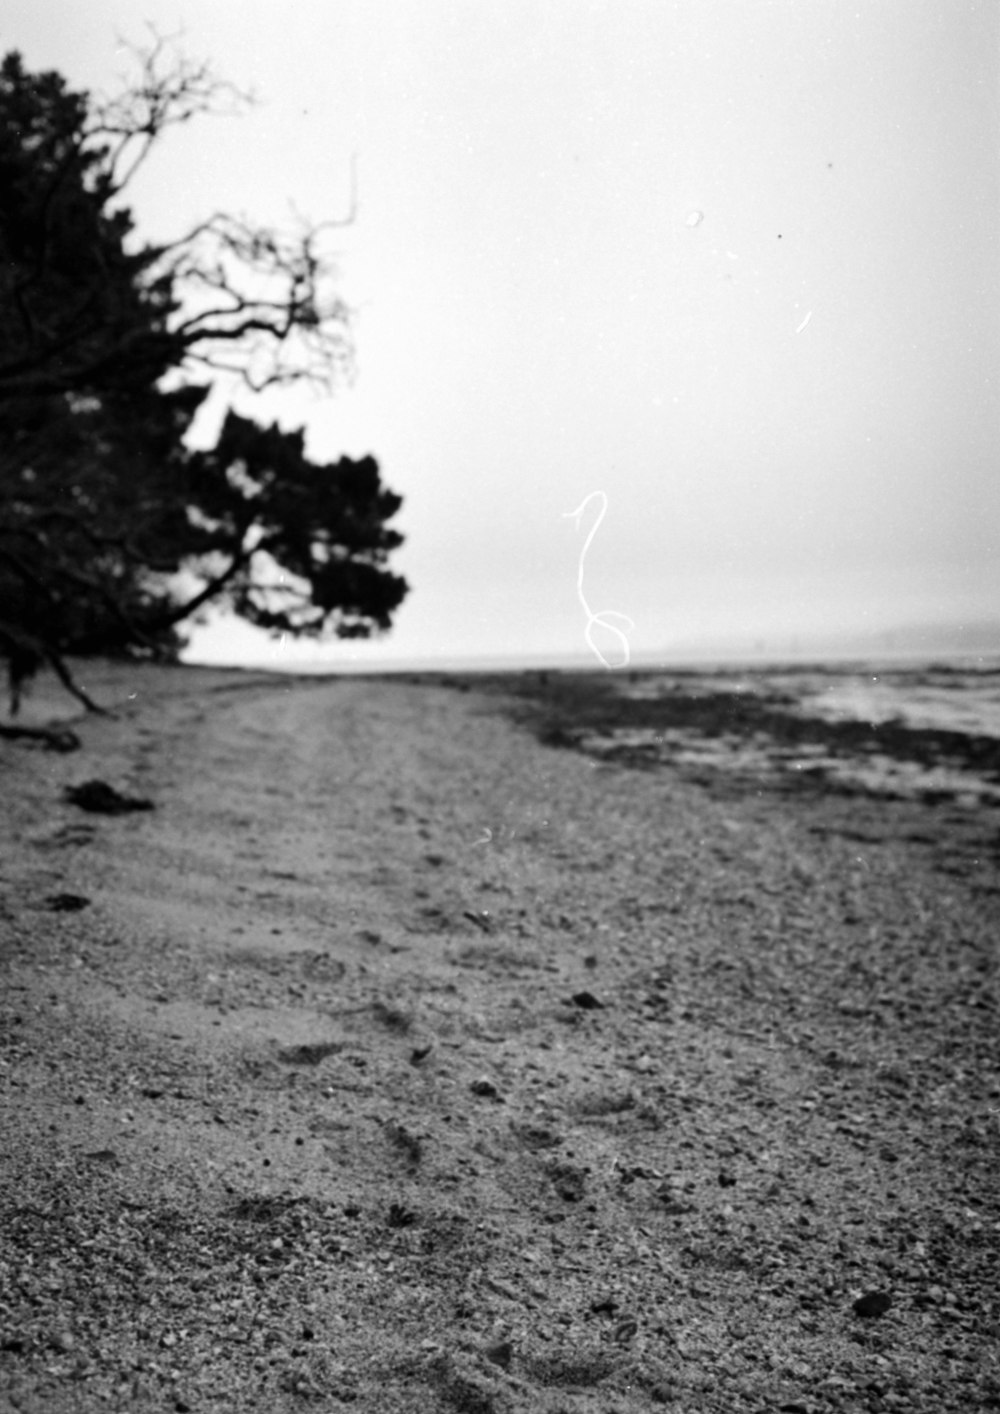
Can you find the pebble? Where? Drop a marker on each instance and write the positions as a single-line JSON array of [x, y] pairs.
[[872, 1304], [485, 1087], [500, 1353]]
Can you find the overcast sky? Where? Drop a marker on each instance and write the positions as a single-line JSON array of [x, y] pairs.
[[733, 263]]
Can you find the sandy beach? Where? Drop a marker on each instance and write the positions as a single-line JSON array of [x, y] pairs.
[[407, 1052]]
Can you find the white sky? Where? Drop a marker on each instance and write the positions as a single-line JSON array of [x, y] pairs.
[[792, 406]]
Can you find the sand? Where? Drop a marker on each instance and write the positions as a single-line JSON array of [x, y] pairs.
[[398, 1060]]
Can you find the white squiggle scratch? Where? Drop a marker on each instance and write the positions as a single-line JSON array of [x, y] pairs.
[[804, 322], [603, 618]]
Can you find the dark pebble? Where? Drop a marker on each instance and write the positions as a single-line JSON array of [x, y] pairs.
[[872, 1304], [500, 1354], [66, 903], [101, 799], [309, 1054]]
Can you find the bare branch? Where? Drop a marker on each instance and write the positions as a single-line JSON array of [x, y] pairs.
[[261, 303], [159, 98], [254, 301], [278, 306]]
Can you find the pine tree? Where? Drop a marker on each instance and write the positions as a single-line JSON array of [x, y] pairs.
[[102, 503]]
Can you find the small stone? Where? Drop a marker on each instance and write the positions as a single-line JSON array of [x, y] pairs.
[[485, 1087], [103, 1156], [568, 1181], [102, 799], [500, 1353], [62, 1340], [66, 903], [872, 1304], [586, 1001], [837, 1385]]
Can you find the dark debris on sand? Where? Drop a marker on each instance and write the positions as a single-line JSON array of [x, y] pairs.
[[99, 798]]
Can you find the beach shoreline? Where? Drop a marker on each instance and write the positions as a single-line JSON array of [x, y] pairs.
[[411, 1052]]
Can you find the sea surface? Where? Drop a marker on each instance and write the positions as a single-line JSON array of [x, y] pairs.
[[941, 697]]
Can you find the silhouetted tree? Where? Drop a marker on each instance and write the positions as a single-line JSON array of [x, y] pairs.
[[102, 504]]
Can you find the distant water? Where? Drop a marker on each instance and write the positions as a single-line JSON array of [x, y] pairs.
[[961, 702], [957, 700], [940, 697]]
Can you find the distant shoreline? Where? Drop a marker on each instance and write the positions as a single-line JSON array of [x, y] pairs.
[[46, 700], [962, 661]]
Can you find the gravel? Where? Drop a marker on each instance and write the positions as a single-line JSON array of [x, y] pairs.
[[413, 1054]]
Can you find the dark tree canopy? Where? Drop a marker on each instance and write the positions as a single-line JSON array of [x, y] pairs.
[[113, 532], [76, 309], [299, 546]]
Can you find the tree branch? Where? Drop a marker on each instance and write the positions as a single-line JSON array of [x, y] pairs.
[[214, 586], [21, 647], [159, 99]]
